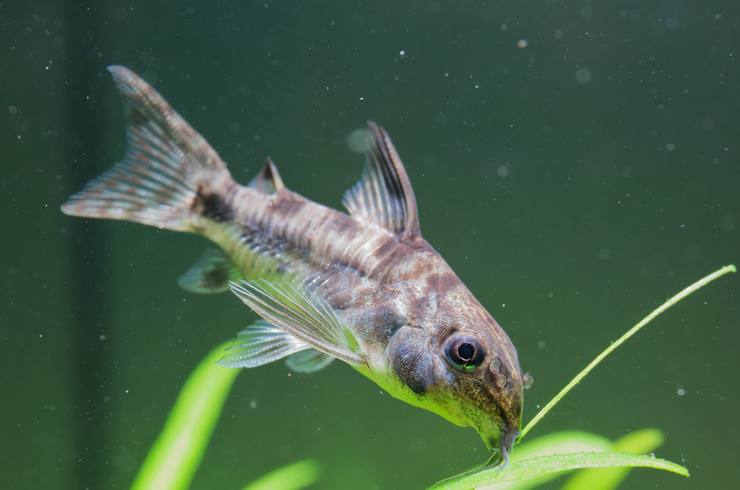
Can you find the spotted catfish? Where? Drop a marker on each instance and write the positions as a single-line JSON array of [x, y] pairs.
[[362, 287]]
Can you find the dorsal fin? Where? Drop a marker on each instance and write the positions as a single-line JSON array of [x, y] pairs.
[[268, 180], [384, 195]]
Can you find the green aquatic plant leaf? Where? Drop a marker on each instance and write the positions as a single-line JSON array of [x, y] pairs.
[[179, 448], [556, 443], [294, 476], [638, 442], [621, 340], [521, 470], [531, 468]]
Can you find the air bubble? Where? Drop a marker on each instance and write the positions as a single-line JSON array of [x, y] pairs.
[[360, 140], [583, 75]]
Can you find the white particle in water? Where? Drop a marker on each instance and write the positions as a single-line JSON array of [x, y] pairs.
[[680, 392], [12, 109], [502, 171], [253, 404], [670, 146], [522, 43], [402, 53]]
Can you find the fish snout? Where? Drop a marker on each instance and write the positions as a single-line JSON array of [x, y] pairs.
[[506, 387]]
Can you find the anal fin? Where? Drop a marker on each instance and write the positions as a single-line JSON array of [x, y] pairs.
[[210, 274]]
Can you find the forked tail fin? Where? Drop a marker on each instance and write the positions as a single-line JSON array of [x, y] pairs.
[[167, 167]]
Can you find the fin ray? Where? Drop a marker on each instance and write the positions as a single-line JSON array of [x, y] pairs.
[[260, 344], [308, 361]]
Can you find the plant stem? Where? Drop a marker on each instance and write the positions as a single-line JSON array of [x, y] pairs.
[[612, 347]]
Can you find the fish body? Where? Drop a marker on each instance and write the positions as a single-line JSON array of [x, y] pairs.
[[363, 287]]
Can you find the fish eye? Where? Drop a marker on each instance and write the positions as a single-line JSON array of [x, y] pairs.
[[464, 352]]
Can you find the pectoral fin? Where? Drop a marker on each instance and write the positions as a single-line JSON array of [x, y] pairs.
[[210, 274], [308, 361], [260, 344], [301, 312]]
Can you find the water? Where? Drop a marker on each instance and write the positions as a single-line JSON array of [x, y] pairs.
[[575, 163]]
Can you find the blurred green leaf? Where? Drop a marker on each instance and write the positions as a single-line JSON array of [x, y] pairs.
[[289, 477], [177, 452], [638, 442], [569, 441], [540, 466]]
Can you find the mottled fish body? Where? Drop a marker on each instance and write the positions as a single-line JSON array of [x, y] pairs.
[[363, 287]]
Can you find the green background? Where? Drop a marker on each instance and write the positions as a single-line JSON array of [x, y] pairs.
[[570, 209]]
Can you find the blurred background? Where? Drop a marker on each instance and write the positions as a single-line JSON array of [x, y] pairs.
[[575, 162]]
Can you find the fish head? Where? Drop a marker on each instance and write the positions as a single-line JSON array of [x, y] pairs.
[[466, 370]]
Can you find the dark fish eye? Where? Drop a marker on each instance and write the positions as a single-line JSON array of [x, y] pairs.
[[464, 352]]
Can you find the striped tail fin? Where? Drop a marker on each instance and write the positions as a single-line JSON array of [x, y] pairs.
[[168, 170]]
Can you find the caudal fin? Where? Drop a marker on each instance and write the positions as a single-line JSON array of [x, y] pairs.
[[166, 168]]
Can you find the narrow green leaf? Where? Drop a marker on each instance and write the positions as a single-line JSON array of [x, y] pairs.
[[556, 443], [569, 441], [638, 442], [177, 452], [632, 331], [293, 476], [493, 478]]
